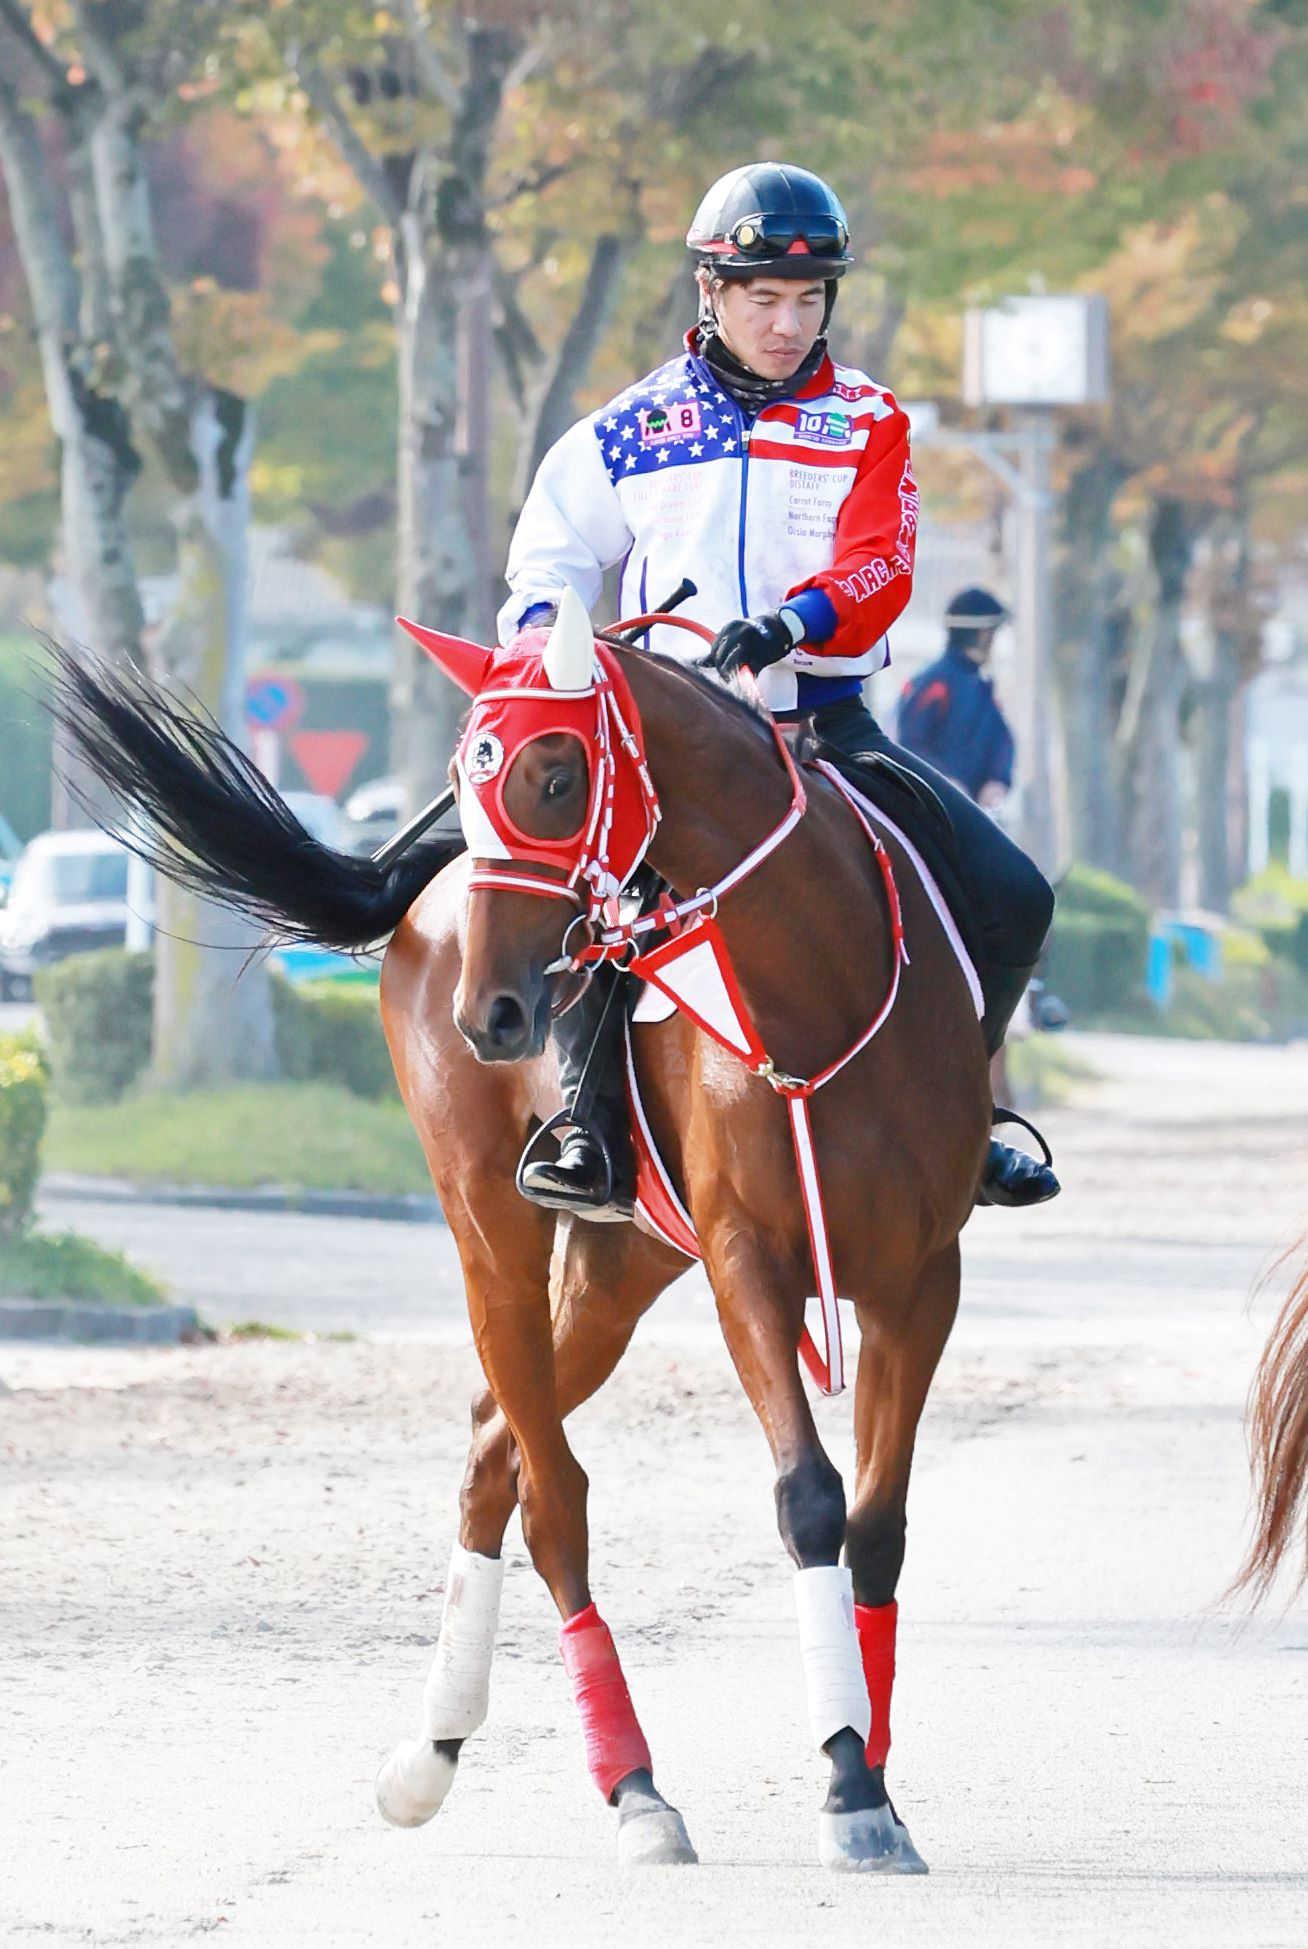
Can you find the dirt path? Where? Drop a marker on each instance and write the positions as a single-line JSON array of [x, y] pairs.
[[222, 1571]]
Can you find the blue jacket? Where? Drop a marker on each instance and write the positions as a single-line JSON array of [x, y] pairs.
[[948, 715]]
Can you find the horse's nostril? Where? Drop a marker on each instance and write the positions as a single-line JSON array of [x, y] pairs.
[[506, 1021]]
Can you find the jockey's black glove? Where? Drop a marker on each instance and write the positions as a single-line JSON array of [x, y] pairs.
[[753, 642]]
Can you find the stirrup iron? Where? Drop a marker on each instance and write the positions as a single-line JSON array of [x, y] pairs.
[[1000, 1115], [561, 1119]]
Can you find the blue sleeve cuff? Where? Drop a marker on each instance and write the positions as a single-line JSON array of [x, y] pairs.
[[816, 611], [536, 614]]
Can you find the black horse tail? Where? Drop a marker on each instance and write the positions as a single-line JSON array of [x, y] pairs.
[[214, 822]]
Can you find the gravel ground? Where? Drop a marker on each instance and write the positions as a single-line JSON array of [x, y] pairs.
[[223, 1566]]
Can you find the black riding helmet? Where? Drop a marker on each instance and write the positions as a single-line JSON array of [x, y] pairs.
[[771, 219]]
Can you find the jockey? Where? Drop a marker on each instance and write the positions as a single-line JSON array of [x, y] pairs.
[[780, 483]]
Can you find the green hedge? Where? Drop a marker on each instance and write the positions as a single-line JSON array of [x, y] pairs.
[[1099, 947], [97, 1010], [98, 1021], [24, 1081], [331, 1032], [1276, 904]]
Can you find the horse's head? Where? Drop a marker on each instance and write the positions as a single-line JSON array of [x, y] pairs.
[[557, 809]]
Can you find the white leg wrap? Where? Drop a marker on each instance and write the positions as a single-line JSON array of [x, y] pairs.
[[458, 1685], [828, 1643]]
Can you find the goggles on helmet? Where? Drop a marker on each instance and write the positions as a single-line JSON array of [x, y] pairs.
[[777, 236]]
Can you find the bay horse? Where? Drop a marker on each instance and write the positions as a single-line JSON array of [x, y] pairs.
[[571, 736]]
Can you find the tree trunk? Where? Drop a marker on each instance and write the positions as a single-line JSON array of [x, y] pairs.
[[436, 572], [1236, 634], [1087, 586], [442, 250], [97, 461], [1151, 727], [1214, 705], [213, 1019], [209, 1027]]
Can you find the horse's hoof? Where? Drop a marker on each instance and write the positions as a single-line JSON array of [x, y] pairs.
[[413, 1782], [872, 1842], [657, 1839]]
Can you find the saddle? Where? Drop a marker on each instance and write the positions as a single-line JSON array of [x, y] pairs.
[[923, 817]]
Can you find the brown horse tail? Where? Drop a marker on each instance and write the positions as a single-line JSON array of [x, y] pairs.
[[1278, 1437]]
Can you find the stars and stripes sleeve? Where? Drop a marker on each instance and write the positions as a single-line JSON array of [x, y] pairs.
[[570, 530], [871, 574]]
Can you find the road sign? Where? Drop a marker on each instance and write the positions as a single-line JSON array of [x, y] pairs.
[[272, 702], [328, 758]]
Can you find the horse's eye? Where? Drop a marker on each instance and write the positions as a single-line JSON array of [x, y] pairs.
[[558, 785]]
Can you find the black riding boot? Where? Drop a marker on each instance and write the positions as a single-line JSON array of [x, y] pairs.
[[1011, 1176], [594, 1172], [1009, 899]]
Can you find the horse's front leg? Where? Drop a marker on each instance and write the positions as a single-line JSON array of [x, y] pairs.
[[760, 1304], [609, 1280], [535, 1385]]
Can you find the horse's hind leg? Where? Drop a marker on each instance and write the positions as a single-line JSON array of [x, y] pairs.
[[761, 1310], [897, 1361]]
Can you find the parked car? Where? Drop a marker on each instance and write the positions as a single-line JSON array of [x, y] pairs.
[[374, 811], [68, 895]]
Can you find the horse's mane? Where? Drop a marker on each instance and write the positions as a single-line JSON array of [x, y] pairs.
[[722, 690]]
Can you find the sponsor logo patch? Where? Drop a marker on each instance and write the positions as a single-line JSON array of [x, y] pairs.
[[826, 429], [679, 421], [485, 756]]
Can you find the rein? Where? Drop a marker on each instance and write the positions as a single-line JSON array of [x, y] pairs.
[[691, 929]]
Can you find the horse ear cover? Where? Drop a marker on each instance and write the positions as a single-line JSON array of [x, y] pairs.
[[569, 655], [464, 663]]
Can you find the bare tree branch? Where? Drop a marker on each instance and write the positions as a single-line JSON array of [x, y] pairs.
[[555, 409], [51, 279], [18, 22], [349, 144], [95, 25], [431, 69], [515, 336], [534, 54], [532, 184]]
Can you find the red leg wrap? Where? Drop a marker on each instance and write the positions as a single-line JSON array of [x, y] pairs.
[[875, 1625], [615, 1744]]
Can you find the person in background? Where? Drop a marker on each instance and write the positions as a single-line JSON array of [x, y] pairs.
[[949, 714]]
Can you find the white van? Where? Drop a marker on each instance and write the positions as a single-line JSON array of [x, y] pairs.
[[68, 895]]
